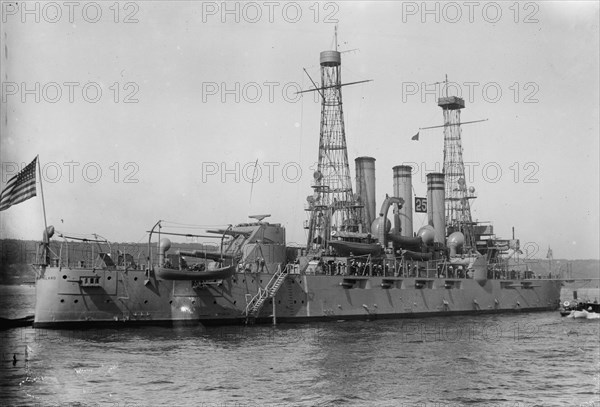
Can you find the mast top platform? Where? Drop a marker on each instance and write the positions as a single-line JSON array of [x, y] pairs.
[[331, 58], [451, 103]]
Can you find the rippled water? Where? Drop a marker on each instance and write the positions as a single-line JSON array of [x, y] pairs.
[[537, 359]]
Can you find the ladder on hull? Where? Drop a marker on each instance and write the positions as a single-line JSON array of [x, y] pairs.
[[270, 291]]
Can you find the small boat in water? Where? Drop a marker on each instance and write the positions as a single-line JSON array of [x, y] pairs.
[[584, 315], [7, 323], [584, 309]]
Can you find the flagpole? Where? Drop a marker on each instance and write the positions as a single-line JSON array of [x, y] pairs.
[[46, 239]]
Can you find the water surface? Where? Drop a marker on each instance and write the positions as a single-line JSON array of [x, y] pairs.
[[528, 359]]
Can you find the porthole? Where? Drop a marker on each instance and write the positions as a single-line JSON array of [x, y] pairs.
[[145, 301], [171, 302], [134, 278], [62, 300], [76, 301], [108, 278], [64, 276]]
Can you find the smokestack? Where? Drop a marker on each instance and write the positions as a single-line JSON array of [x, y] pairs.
[[365, 188], [435, 205], [403, 189]]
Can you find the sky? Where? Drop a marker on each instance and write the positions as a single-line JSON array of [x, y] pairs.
[[161, 110]]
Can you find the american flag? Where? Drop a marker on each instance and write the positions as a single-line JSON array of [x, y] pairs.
[[19, 188]]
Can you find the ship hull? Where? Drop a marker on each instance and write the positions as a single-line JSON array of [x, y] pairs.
[[84, 297]]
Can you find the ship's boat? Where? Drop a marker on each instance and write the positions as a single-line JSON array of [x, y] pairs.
[[344, 248], [214, 274], [580, 309]]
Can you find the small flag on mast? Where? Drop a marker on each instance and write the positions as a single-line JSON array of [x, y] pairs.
[[415, 137], [19, 188], [549, 255]]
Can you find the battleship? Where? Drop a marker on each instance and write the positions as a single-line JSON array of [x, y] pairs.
[[356, 263]]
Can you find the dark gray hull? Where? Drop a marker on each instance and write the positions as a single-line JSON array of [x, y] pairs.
[[66, 298]]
